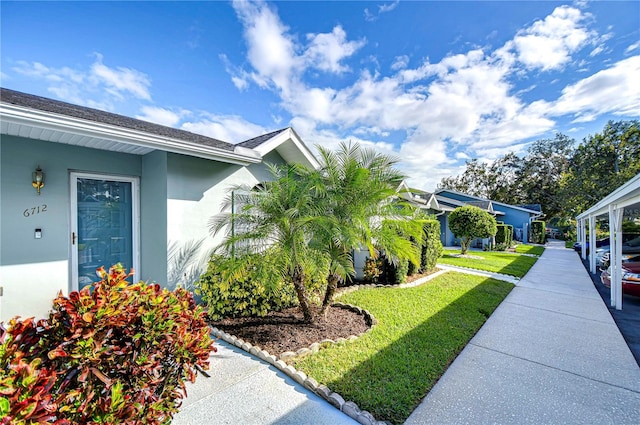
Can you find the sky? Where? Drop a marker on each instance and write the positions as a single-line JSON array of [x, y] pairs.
[[434, 83]]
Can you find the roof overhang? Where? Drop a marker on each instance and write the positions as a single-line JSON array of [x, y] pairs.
[[290, 147], [41, 125], [625, 196]]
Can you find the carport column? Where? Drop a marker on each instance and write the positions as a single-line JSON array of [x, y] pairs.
[[615, 258], [592, 243], [583, 239]]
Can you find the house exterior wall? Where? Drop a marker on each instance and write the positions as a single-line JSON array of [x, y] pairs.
[[518, 219], [32, 271], [153, 218], [196, 191]]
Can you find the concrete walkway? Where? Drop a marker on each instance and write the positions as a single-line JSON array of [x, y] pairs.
[[244, 390], [549, 354]]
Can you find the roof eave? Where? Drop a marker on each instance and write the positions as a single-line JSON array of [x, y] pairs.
[[27, 116], [282, 138]]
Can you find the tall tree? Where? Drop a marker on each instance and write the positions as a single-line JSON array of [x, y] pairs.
[[532, 179], [356, 194], [278, 214], [547, 160], [600, 164], [469, 223]]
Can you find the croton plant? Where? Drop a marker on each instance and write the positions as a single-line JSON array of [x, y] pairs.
[[113, 352]]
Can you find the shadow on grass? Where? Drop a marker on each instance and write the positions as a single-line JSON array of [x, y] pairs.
[[520, 266], [514, 264], [392, 382]]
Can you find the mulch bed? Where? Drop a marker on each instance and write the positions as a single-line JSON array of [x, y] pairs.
[[285, 331]]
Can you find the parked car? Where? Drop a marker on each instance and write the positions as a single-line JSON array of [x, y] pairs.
[[599, 243], [630, 244], [630, 278]]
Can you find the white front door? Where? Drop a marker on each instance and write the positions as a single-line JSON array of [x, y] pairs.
[[104, 225]]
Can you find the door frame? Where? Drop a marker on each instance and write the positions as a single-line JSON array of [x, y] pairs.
[[73, 215]]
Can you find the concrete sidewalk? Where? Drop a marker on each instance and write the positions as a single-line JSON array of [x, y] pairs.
[[549, 354], [245, 390]]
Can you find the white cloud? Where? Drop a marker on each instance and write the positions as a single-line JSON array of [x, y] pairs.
[[382, 8], [162, 116], [228, 128], [632, 47], [614, 90], [271, 49], [549, 43], [99, 87], [400, 62], [121, 80], [325, 51]]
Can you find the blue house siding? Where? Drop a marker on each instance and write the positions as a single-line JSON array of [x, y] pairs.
[[32, 271], [517, 217]]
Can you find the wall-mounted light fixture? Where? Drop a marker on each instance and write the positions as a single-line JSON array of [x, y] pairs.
[[38, 179]]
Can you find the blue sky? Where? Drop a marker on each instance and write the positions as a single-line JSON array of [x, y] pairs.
[[432, 82]]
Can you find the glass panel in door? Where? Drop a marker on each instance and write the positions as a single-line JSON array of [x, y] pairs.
[[105, 226]]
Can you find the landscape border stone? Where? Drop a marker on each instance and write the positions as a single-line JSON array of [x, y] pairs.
[[350, 408]]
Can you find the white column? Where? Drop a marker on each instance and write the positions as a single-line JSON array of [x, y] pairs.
[[583, 239], [592, 243], [612, 249], [618, 282], [615, 257]]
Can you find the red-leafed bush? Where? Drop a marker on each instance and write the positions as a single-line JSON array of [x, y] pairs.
[[114, 352]]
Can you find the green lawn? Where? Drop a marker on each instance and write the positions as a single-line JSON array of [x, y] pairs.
[[491, 261], [530, 249], [420, 331]]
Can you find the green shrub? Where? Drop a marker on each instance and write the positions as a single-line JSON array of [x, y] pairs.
[[372, 270], [500, 247], [113, 352], [393, 274], [252, 291], [538, 231], [432, 247], [469, 222], [502, 234]]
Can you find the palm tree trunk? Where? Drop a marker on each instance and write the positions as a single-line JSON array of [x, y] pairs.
[[332, 285], [301, 292]]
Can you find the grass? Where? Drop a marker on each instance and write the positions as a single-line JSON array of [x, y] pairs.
[[420, 331], [491, 261], [530, 249]]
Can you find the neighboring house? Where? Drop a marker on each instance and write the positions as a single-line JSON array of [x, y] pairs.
[[518, 216], [116, 189]]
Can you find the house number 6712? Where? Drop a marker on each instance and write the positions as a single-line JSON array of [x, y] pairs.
[[34, 210]]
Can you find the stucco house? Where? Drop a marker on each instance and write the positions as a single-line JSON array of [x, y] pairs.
[[518, 216], [81, 188]]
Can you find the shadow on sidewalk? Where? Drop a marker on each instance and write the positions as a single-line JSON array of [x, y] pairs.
[[627, 319]]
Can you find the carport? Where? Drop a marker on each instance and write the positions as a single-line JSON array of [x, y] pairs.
[[625, 200]]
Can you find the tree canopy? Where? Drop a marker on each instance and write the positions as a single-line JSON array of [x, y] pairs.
[[563, 176], [469, 223]]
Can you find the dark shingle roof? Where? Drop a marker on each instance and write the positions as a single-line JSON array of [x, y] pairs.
[[257, 141], [480, 204], [532, 207], [98, 116]]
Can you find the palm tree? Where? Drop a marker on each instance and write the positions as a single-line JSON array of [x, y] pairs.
[[355, 190], [279, 214]]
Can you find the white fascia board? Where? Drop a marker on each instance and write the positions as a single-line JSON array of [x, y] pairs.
[[283, 137], [625, 195], [538, 213], [432, 203], [50, 121]]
